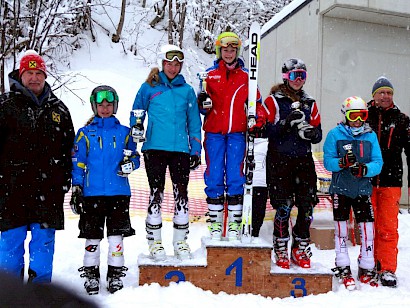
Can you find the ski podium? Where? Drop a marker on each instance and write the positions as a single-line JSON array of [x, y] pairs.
[[245, 265]]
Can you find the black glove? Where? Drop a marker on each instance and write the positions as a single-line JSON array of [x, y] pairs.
[[295, 117], [194, 162], [348, 160], [77, 200], [204, 101], [359, 170], [307, 131]]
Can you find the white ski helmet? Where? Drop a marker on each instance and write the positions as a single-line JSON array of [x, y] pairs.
[[170, 53], [352, 103]]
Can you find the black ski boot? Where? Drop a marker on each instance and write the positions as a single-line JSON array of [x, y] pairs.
[[92, 276], [388, 279], [114, 274]]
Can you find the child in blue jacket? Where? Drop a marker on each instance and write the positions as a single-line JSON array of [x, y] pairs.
[[352, 153], [104, 154]]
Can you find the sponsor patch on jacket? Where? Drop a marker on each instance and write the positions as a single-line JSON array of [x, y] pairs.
[[56, 117]]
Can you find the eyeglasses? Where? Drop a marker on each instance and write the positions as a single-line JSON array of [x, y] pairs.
[[295, 74], [229, 40], [99, 96], [174, 55], [354, 115]]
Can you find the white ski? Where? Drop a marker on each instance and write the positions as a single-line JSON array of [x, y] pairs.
[[254, 47]]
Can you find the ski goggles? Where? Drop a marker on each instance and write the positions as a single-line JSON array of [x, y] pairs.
[[174, 55], [354, 115], [107, 95], [295, 74], [229, 40]]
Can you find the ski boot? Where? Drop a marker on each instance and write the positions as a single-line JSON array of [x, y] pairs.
[[92, 276], [280, 246], [301, 252], [215, 217], [215, 230], [388, 279], [156, 250], [234, 224], [181, 247], [344, 275], [367, 276], [114, 274]]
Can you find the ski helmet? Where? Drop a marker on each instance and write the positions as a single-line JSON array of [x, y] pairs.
[[224, 40], [101, 93], [170, 53], [354, 103]]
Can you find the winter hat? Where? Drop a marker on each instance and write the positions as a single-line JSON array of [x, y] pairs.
[[382, 83], [32, 61]]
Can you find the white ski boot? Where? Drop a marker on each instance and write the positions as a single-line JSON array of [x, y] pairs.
[[181, 247]]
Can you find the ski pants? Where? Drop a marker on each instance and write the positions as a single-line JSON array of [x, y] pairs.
[[224, 155], [156, 163], [386, 209], [363, 211], [291, 181], [41, 249]]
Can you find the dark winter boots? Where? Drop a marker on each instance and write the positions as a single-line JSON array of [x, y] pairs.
[[114, 275], [92, 276]]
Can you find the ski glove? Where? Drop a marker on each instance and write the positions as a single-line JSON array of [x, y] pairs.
[[137, 132], [295, 117], [77, 200], [126, 167], [359, 170], [307, 131], [348, 160], [204, 101], [194, 162]]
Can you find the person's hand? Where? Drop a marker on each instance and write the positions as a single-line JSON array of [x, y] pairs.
[[359, 170], [204, 101], [349, 159], [295, 117], [307, 132], [126, 167], [77, 199], [256, 130], [194, 162]]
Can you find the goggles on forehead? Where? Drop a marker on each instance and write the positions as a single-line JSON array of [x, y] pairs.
[[354, 115], [229, 40], [174, 55], [99, 96], [295, 74]]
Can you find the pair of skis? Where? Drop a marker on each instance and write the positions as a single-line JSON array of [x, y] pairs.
[[254, 57]]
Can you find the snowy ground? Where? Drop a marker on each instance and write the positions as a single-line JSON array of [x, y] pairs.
[[69, 254]]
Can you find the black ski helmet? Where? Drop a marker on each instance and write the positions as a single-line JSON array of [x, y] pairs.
[[293, 64], [103, 88]]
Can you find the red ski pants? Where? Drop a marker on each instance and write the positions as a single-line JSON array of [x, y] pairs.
[[385, 202]]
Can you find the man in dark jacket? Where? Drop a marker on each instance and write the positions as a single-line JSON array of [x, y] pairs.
[[36, 137], [393, 130]]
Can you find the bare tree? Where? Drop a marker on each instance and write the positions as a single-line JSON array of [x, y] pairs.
[[116, 37]]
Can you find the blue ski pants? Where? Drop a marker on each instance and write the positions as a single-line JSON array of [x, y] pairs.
[[41, 249], [224, 156]]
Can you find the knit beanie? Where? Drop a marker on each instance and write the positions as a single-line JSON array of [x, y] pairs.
[[382, 83], [32, 61]]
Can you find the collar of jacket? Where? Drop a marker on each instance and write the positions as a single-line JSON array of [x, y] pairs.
[[177, 81], [17, 86], [105, 122]]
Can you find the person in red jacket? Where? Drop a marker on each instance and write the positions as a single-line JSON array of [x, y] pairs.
[[225, 127], [393, 130]]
